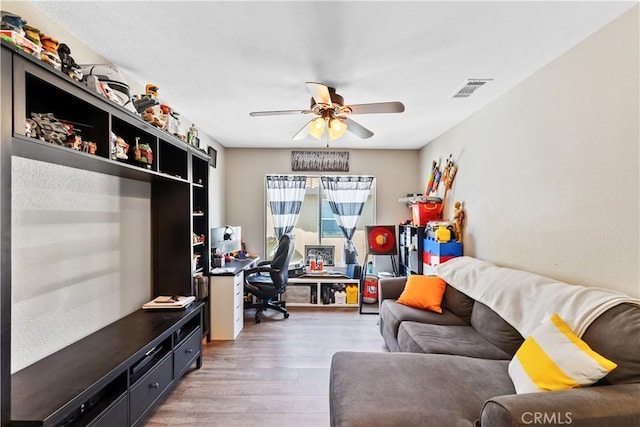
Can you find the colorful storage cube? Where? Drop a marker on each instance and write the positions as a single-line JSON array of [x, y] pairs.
[[434, 247], [434, 260]]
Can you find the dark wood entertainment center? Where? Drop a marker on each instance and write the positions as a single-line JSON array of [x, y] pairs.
[[116, 375]]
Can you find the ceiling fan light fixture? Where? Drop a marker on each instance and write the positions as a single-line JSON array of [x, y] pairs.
[[337, 128], [316, 128]]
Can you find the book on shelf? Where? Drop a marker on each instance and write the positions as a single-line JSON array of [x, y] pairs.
[[168, 302]]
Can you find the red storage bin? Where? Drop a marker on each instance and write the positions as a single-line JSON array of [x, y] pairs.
[[424, 212]]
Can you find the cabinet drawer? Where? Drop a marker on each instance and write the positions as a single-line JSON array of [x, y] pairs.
[[186, 353], [116, 415], [150, 387]]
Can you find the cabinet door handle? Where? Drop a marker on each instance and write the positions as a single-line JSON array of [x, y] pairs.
[[154, 385], [189, 351]]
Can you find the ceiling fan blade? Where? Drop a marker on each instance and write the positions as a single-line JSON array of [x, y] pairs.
[[357, 129], [377, 107], [304, 132], [278, 113], [319, 92]]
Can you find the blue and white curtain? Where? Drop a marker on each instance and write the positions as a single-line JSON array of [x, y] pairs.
[[347, 196], [285, 194]]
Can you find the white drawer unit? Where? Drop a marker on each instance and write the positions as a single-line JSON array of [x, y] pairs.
[[227, 304]]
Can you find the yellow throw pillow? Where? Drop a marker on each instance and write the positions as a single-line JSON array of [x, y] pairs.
[[554, 358], [423, 292]]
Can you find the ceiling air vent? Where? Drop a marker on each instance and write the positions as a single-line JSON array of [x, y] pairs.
[[470, 87]]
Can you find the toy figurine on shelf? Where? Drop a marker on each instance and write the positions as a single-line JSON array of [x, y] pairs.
[[171, 118], [121, 148], [136, 150], [146, 155], [12, 22], [13, 31], [113, 140], [49, 53], [192, 136], [89, 147], [142, 153], [48, 128], [458, 221], [151, 90], [33, 34], [152, 117], [68, 64], [150, 98]]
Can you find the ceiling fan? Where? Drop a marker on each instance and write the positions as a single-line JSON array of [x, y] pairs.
[[333, 115]]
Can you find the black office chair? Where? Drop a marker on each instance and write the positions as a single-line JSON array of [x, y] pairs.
[[266, 287]]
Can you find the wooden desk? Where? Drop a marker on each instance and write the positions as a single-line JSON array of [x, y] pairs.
[[226, 296]]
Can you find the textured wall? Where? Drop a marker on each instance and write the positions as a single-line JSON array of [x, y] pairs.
[[549, 172], [81, 255]]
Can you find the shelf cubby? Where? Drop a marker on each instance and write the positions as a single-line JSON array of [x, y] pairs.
[[129, 133]]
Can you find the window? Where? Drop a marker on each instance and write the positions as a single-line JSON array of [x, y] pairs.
[[317, 225]]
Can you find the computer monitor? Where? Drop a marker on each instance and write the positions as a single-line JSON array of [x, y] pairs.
[[226, 239]]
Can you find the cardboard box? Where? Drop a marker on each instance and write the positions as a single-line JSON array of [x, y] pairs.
[[300, 294]]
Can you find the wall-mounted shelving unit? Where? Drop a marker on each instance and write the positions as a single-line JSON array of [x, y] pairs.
[[178, 175]]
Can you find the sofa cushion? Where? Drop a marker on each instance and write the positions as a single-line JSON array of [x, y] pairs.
[[409, 389], [392, 314], [458, 303], [614, 334], [553, 357], [494, 329], [440, 339], [423, 292]]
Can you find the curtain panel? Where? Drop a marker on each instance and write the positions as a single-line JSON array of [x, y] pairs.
[[347, 196], [285, 194]]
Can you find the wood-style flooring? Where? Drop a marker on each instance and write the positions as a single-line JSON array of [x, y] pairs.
[[276, 373]]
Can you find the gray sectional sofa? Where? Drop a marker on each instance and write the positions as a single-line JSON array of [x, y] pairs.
[[450, 369]]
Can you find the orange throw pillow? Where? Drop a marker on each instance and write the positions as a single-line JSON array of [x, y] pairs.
[[423, 292]]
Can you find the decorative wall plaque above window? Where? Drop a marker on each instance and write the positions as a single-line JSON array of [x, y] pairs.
[[337, 161]]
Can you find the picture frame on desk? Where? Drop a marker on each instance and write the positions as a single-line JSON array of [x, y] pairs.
[[326, 251]]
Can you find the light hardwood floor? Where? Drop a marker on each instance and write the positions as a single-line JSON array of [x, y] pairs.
[[275, 373]]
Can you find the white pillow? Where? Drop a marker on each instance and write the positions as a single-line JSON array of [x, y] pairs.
[[554, 358]]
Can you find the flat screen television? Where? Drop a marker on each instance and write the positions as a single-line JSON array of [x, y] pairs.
[[226, 239]]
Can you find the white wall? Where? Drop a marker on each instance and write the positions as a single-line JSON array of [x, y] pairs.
[[395, 172], [549, 172]]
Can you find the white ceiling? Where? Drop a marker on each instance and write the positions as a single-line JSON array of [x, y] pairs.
[[217, 61]]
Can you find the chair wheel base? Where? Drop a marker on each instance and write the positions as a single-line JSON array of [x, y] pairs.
[[286, 315]]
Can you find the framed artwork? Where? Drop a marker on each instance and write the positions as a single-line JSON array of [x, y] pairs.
[[381, 240], [213, 154], [326, 251], [337, 161]]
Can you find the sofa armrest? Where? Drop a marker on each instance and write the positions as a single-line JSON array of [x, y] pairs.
[[612, 405], [391, 287]]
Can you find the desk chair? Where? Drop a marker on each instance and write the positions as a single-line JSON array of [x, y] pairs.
[[267, 287]]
